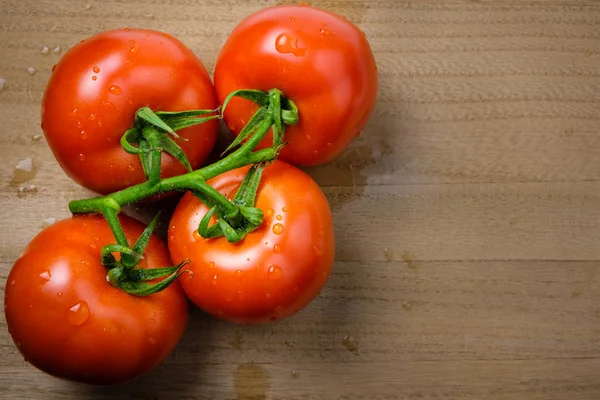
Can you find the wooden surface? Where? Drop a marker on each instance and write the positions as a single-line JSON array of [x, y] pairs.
[[480, 281]]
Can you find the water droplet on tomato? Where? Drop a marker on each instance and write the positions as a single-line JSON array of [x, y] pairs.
[[316, 152], [279, 309], [277, 248], [278, 229], [99, 123], [82, 157], [151, 340], [286, 43], [83, 135], [131, 167], [126, 29], [115, 90], [96, 69], [292, 18], [132, 41], [239, 272], [279, 217], [211, 265], [323, 24], [59, 294], [248, 259], [92, 246], [94, 77], [45, 275], [326, 32], [78, 314], [197, 236], [329, 144], [133, 50], [214, 279], [170, 75], [241, 295], [269, 213], [275, 272], [266, 243], [92, 117]]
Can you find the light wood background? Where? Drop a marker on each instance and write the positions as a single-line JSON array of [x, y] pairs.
[[467, 214]]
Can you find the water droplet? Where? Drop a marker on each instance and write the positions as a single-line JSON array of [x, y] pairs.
[[316, 152], [241, 295], [275, 272], [45, 275], [326, 32], [279, 217], [151, 340], [211, 265], [388, 254], [56, 50], [45, 50], [170, 75], [94, 77], [329, 144], [214, 279], [31, 71], [268, 295], [197, 236], [92, 246], [277, 248], [284, 209], [286, 43], [99, 123], [132, 41], [350, 344], [82, 157], [126, 29], [318, 250], [78, 314], [278, 229], [96, 69], [88, 7], [295, 374], [131, 167], [239, 272], [292, 18], [266, 243], [133, 50], [248, 259], [278, 309], [269, 213], [323, 24], [115, 90]]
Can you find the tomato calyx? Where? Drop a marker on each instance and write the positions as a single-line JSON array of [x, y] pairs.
[[149, 137], [123, 273], [246, 218], [275, 110]]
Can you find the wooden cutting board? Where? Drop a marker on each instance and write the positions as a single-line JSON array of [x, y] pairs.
[[467, 214]]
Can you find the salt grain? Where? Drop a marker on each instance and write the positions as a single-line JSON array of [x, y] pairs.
[[25, 165]]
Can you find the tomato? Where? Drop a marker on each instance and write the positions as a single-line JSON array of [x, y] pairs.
[[68, 321], [319, 60], [95, 90], [275, 270]]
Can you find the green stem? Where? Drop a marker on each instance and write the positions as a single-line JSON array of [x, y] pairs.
[[195, 180]]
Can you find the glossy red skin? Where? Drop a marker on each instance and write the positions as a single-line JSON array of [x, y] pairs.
[[334, 83], [123, 336], [151, 69], [245, 290]]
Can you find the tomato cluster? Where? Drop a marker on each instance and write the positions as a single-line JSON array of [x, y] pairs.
[[131, 114]]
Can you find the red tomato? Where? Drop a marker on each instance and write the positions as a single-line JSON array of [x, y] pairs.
[[319, 60], [68, 321], [274, 271], [97, 87]]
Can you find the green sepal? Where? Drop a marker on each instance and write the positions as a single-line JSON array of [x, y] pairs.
[[249, 129], [147, 115], [135, 283], [109, 261], [258, 96]]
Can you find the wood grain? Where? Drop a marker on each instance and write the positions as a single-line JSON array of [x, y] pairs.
[[467, 213]]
